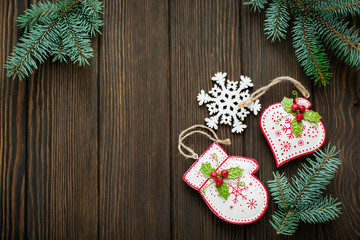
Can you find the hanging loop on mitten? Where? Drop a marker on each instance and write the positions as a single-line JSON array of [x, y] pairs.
[[186, 133], [261, 91]]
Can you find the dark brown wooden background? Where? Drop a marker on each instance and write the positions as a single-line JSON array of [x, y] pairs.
[[92, 153]]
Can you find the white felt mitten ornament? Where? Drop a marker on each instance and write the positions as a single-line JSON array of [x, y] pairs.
[[226, 183]]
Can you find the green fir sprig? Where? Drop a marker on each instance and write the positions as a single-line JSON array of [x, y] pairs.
[[59, 30], [315, 24], [303, 200]]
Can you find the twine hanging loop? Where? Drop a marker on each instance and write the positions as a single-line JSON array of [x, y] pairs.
[[190, 131], [261, 91]]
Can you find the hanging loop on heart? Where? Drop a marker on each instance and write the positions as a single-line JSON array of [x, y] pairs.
[[192, 130], [261, 91]]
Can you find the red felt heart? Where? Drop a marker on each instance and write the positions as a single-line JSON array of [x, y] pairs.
[[283, 143]]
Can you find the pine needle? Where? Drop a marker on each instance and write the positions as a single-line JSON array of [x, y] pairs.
[[316, 23], [61, 30], [302, 200]]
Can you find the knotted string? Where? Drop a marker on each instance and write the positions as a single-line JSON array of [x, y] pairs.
[[186, 133], [261, 91]]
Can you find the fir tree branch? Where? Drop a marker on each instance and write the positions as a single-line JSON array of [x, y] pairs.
[[355, 4], [309, 51], [322, 210], [15, 69], [285, 222], [40, 13], [77, 42], [58, 51], [75, 38], [345, 42], [16, 61], [303, 200], [310, 180], [330, 27], [91, 5], [36, 17], [60, 30], [349, 7], [314, 2], [337, 33], [276, 21], [327, 27], [91, 17], [257, 5], [280, 190], [287, 216], [307, 43]]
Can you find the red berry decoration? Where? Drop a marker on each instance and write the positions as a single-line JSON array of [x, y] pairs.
[[213, 175], [302, 108], [219, 181], [299, 117], [225, 173], [295, 107]]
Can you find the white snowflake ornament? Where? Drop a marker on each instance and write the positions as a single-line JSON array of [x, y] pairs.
[[223, 99]]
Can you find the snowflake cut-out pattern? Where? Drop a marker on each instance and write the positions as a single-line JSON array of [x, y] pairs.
[[278, 133], [252, 204], [285, 146], [237, 191], [198, 173], [223, 99], [287, 127]]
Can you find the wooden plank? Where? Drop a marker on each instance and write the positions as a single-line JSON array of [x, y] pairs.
[[134, 121], [12, 131], [340, 109], [264, 61], [341, 116], [205, 39], [62, 193]]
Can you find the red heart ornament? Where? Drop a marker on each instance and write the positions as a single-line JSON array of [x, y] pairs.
[[283, 143], [247, 200]]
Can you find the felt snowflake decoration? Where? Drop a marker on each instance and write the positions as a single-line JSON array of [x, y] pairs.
[[223, 99]]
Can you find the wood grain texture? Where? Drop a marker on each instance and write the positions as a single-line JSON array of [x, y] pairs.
[[12, 131], [266, 61], [62, 192], [62, 153], [205, 39], [91, 152], [340, 106], [134, 121], [341, 114]]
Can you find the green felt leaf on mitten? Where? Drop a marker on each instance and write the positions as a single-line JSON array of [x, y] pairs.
[[223, 190], [311, 116], [206, 169], [235, 172], [296, 127]]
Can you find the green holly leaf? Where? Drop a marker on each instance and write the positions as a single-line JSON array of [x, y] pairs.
[[235, 172], [206, 169], [311, 116], [287, 103], [223, 190], [296, 127]]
